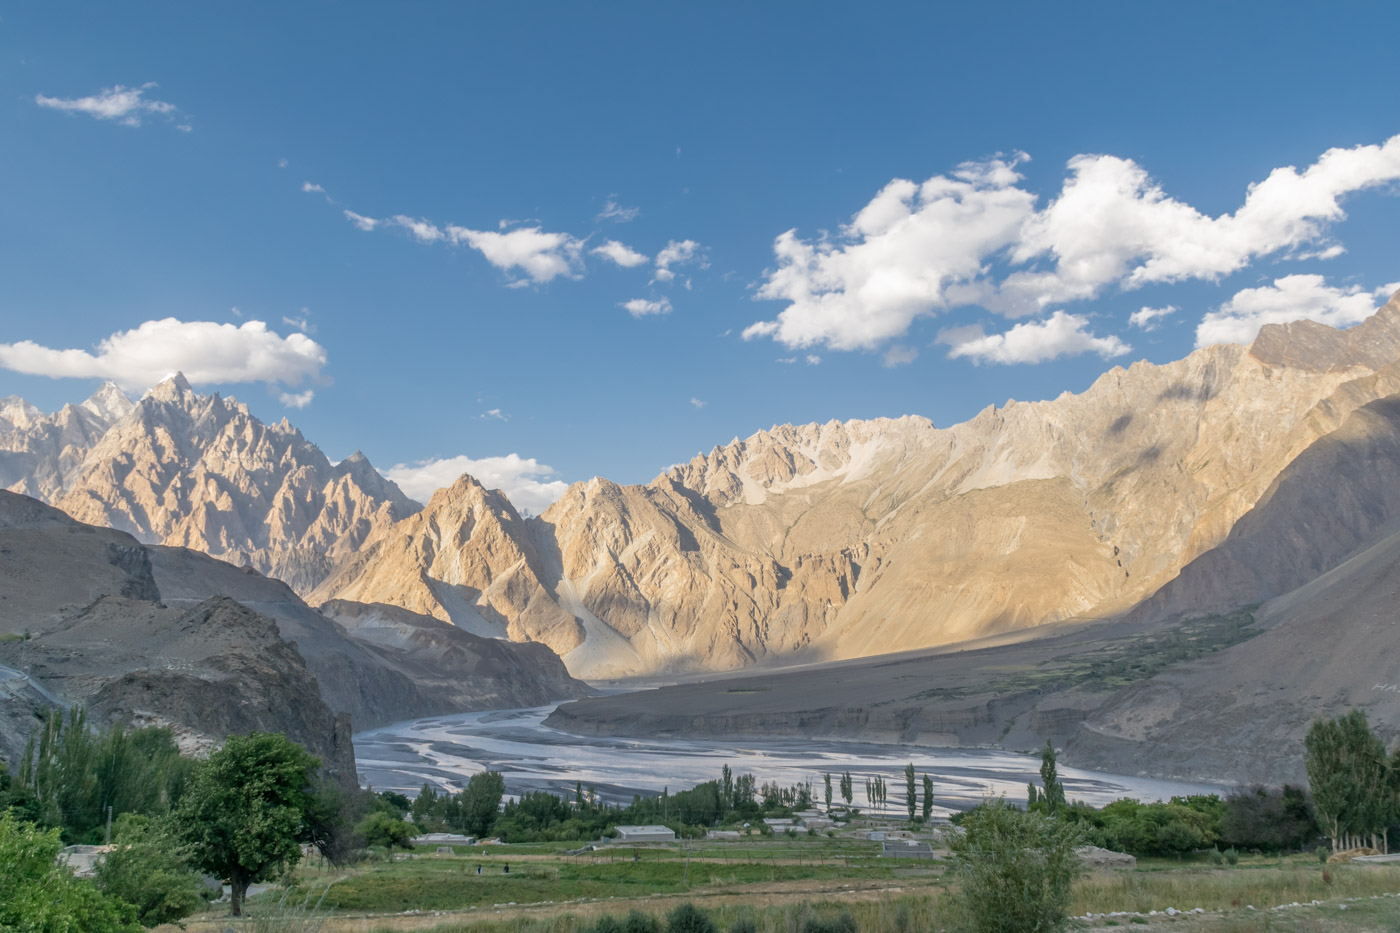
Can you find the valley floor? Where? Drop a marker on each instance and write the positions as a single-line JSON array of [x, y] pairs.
[[778, 882]]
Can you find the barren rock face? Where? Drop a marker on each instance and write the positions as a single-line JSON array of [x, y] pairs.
[[850, 539], [201, 472]]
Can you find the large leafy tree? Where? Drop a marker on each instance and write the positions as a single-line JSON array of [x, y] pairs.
[[244, 812], [37, 895], [1350, 779]]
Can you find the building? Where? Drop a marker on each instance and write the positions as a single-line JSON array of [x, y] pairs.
[[906, 848], [444, 839], [644, 834]]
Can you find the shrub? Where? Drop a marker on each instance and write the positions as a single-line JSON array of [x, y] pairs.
[[1321, 853], [687, 918], [1016, 869], [744, 924], [638, 922], [150, 870], [1232, 855], [39, 895], [841, 923], [608, 924], [1216, 857]]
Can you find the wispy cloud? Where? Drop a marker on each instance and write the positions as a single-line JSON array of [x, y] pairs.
[[697, 403], [617, 213], [128, 106], [1149, 318], [677, 253]]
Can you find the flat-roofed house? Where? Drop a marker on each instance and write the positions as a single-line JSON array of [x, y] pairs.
[[644, 834]]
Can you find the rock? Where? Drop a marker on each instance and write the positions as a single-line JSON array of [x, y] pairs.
[[1095, 857]]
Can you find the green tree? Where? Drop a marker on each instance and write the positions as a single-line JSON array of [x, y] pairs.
[[928, 798], [911, 796], [381, 829], [150, 870], [1016, 869], [481, 801], [847, 788], [826, 778], [37, 895], [244, 812], [1349, 776], [1054, 793]]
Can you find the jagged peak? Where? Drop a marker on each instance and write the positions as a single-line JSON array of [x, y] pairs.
[[173, 388], [109, 403]]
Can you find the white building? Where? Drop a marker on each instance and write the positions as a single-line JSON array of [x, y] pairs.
[[644, 834]]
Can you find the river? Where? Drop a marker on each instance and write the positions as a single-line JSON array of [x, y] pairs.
[[446, 750]]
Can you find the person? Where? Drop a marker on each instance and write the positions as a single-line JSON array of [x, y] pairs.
[[478, 869], [507, 871]]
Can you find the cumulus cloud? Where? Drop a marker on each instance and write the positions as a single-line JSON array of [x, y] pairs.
[[813, 359], [617, 213], [297, 399], [895, 260], [641, 307], [205, 351], [620, 253], [898, 355], [126, 105], [1291, 298], [526, 482], [1148, 318], [976, 236], [540, 255], [1061, 334], [677, 253]]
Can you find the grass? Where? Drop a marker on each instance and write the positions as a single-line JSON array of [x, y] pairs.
[[1214, 889]]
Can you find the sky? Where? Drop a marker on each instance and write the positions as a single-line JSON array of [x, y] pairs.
[[548, 241]]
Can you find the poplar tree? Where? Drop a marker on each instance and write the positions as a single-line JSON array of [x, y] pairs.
[[911, 796], [827, 780], [928, 797]]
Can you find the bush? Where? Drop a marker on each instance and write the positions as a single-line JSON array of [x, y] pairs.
[[841, 923], [607, 924], [1321, 853], [687, 918], [1016, 869], [39, 895], [638, 922], [150, 870], [744, 924], [1232, 855], [1216, 857]]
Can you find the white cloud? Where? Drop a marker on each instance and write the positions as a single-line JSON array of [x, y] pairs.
[[524, 481], [1061, 334], [493, 414], [917, 249], [620, 253], [1291, 298], [540, 255], [422, 231], [813, 359], [364, 223], [206, 352], [309, 188], [617, 213], [1148, 318], [282, 163], [302, 322], [641, 307], [698, 403], [677, 253], [895, 260], [126, 105], [899, 355], [787, 360], [297, 399]]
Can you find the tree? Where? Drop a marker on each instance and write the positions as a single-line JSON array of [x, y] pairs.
[[726, 779], [911, 796], [37, 895], [245, 810], [826, 778], [1016, 869], [1050, 778], [928, 798], [150, 870], [1349, 776], [381, 829], [847, 788], [481, 801]]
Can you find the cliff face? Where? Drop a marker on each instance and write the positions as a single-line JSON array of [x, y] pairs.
[[169, 635], [199, 471], [859, 538]]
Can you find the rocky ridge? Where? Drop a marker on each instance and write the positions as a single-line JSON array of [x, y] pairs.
[[858, 538]]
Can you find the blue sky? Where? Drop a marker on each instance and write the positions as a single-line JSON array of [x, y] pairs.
[[1088, 162]]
